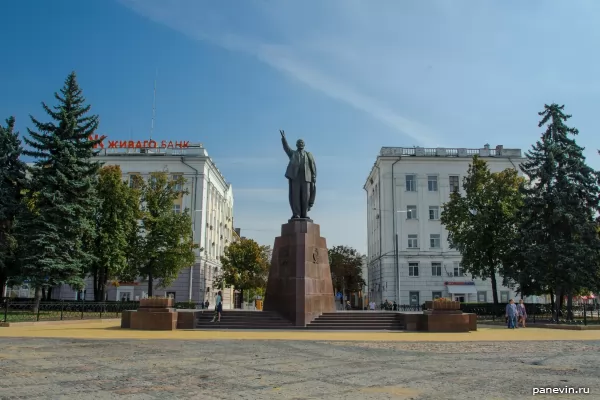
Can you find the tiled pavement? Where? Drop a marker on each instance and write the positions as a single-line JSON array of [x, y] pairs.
[[324, 367]]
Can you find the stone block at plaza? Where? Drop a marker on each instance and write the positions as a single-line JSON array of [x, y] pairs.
[[440, 321], [154, 314], [299, 286], [186, 319]]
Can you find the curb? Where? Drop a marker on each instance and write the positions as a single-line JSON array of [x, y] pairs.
[[63, 322]]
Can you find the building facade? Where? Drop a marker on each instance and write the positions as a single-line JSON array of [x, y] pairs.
[[209, 201], [409, 257]]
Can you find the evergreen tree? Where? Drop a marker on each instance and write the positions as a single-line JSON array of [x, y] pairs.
[[12, 189], [116, 220], [57, 235], [558, 244]]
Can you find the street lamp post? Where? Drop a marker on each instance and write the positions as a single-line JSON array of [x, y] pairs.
[[199, 254], [395, 251], [397, 256]]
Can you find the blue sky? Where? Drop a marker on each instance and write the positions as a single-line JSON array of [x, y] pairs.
[[347, 76]]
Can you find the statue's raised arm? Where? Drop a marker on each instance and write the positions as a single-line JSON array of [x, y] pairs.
[[286, 147]]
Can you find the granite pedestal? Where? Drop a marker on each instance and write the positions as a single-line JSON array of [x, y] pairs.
[[152, 315], [299, 286]]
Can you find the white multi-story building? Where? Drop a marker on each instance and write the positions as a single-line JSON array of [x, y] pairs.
[[209, 201], [410, 260]]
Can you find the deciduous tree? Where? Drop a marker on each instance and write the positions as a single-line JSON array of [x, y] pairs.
[[116, 221], [12, 189], [63, 179], [164, 244], [346, 269], [245, 266], [481, 224]]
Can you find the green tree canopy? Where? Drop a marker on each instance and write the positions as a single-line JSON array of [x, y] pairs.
[[55, 236], [116, 220], [558, 244], [346, 269], [12, 189], [481, 224], [164, 244], [245, 266]]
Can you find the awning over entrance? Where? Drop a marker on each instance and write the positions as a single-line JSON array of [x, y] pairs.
[[462, 289]]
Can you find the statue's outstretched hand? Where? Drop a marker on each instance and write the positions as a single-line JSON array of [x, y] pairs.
[[282, 133]]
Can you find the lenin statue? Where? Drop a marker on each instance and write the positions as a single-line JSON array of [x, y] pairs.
[[301, 173]]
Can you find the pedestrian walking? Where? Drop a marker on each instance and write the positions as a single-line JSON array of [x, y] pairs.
[[218, 307], [511, 314], [522, 313]]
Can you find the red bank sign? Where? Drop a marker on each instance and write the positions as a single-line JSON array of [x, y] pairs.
[[138, 144]]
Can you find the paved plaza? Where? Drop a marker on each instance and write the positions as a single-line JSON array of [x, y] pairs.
[[65, 362]]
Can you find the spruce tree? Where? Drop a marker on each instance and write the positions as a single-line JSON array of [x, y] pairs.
[[58, 231], [12, 188], [558, 242]]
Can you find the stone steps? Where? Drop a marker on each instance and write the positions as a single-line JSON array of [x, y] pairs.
[[365, 321], [235, 319]]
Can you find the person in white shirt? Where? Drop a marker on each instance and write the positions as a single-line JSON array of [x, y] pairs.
[[218, 307]]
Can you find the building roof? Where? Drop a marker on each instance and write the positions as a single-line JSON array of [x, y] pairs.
[[444, 152]]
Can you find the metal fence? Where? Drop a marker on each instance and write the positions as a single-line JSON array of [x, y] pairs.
[[23, 310], [581, 314]]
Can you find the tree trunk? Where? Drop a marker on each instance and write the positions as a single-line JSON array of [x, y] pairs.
[[3, 281], [44, 297], [102, 292], [558, 302], [37, 299], [150, 281], [49, 294], [101, 284], [95, 284], [552, 303], [494, 293], [242, 298], [569, 306]]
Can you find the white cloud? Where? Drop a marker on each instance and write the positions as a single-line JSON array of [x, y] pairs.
[[312, 58]]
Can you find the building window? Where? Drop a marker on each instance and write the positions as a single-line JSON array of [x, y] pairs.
[[434, 241], [413, 242], [178, 187], [504, 297], [434, 212], [133, 181], [411, 212], [413, 269], [436, 295], [432, 183], [177, 208], [458, 270], [413, 298], [411, 184], [436, 269], [454, 183], [482, 297]]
